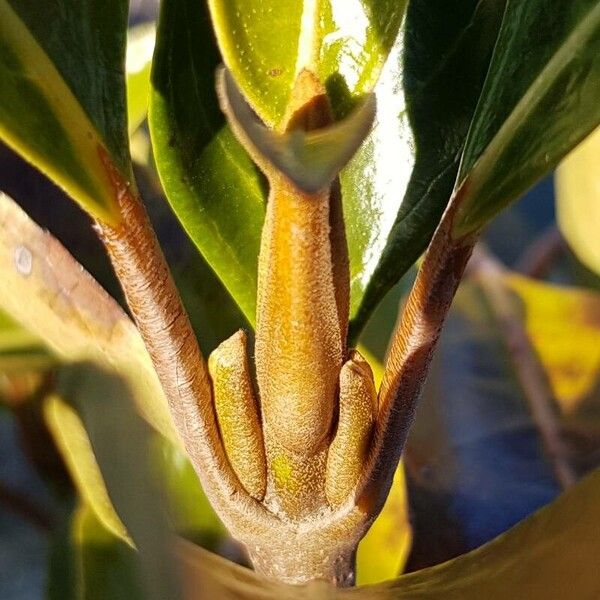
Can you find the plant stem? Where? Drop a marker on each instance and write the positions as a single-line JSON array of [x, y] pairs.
[[538, 257], [168, 335], [490, 273], [412, 347]]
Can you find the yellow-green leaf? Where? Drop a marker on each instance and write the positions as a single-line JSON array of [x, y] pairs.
[[46, 291], [383, 551], [140, 47], [73, 443]]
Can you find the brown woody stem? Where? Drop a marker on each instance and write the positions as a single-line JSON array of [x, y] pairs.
[[412, 347], [168, 335]]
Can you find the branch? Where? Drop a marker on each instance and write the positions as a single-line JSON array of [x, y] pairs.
[[538, 257], [412, 347], [171, 342], [532, 378]]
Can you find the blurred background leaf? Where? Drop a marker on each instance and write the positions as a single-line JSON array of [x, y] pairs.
[[578, 200], [138, 64]]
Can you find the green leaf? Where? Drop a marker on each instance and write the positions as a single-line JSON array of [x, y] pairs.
[[209, 180], [106, 568], [539, 100], [138, 64], [577, 184], [62, 94], [212, 185], [260, 42], [74, 446], [397, 186], [189, 509], [265, 44]]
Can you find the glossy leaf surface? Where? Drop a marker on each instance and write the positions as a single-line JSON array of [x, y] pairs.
[[210, 182], [578, 200], [539, 100], [195, 155], [265, 44], [62, 93], [402, 178]]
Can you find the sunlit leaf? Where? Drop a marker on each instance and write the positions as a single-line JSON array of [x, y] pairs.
[[539, 100], [578, 200], [140, 47], [399, 183], [69, 312], [265, 44], [73, 443], [195, 154], [209, 180], [382, 553], [62, 94]]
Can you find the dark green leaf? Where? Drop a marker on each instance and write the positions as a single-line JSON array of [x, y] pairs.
[[539, 100], [403, 177], [211, 184], [62, 93]]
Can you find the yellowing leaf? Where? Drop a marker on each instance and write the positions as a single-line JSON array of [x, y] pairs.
[[578, 200], [383, 551], [564, 327]]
